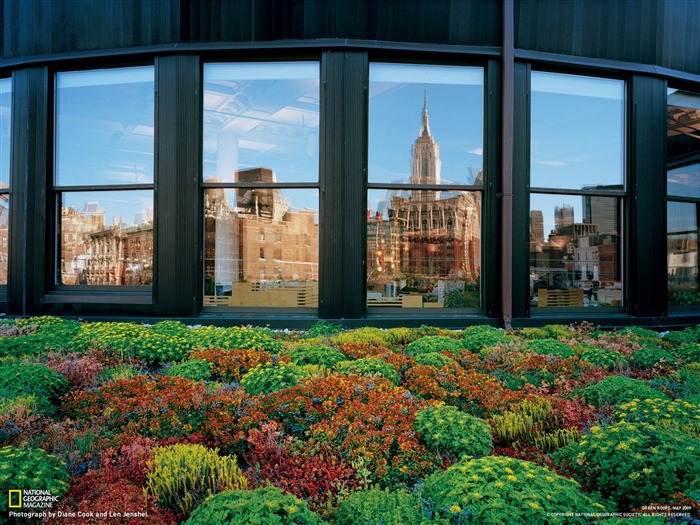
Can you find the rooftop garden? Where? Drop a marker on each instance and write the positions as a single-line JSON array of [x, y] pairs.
[[168, 424]]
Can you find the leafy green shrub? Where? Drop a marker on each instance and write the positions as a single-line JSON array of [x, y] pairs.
[[133, 340], [434, 343], [369, 367], [690, 334], [322, 328], [262, 506], [401, 335], [52, 334], [648, 356], [664, 413], [236, 338], [26, 469], [306, 354], [550, 347], [496, 490], [36, 380], [558, 330], [271, 377], [640, 333], [533, 333], [604, 358], [632, 463], [194, 369], [376, 506], [433, 359], [183, 476], [477, 338], [615, 390], [689, 352], [367, 335], [454, 432]]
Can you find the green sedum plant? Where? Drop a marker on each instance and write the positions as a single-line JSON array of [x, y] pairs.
[[690, 334], [236, 338], [322, 355], [30, 469], [369, 367], [648, 356], [604, 358], [271, 377], [550, 347], [194, 369], [454, 432], [38, 380], [376, 506], [615, 390], [481, 337], [434, 343], [495, 490], [262, 506], [689, 352], [182, 476], [678, 415], [632, 463]]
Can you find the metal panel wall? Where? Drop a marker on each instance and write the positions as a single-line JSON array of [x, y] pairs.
[[343, 203], [177, 202], [30, 157]]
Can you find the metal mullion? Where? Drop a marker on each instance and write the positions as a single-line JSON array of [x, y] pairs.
[[105, 187], [691, 200], [561, 191], [398, 186], [277, 185]]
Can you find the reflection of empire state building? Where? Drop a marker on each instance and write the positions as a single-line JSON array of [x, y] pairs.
[[434, 234]]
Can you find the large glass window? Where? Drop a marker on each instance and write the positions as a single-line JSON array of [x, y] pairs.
[[577, 187], [260, 178], [103, 182], [425, 186], [5, 119], [683, 190]]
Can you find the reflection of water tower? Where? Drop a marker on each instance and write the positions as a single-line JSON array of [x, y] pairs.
[[262, 202]]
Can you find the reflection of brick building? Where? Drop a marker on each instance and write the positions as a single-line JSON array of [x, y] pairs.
[[96, 255], [120, 256], [431, 234], [261, 239]]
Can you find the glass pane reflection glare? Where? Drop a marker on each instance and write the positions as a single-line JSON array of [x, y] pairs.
[[261, 247], [575, 251], [423, 249]]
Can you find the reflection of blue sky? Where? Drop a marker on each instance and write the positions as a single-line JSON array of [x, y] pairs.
[[261, 115], [105, 126], [681, 217], [120, 207], [455, 109], [546, 204], [5, 105], [684, 181], [577, 135]]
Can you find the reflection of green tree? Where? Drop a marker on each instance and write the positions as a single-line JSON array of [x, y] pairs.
[[684, 298], [209, 286], [467, 298]]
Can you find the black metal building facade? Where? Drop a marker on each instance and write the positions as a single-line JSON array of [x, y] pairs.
[[649, 45]]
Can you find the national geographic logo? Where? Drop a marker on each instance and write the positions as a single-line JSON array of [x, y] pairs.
[[15, 499]]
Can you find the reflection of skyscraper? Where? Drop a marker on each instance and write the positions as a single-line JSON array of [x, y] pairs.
[[536, 229], [431, 235], [563, 217], [601, 211]]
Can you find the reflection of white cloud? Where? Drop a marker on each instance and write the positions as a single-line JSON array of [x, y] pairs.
[[549, 162], [477, 151]]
